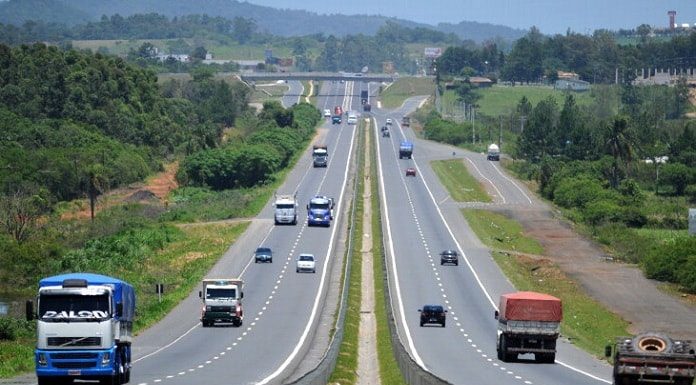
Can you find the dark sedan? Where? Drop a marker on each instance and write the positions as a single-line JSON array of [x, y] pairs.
[[263, 254], [432, 314], [449, 256]]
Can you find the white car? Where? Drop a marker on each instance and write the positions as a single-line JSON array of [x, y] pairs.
[[389, 121], [306, 262], [327, 113]]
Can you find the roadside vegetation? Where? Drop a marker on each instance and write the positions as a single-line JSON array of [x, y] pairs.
[[586, 322], [460, 184], [63, 147], [396, 93]]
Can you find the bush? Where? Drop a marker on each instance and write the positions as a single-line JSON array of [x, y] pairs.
[[579, 192], [601, 211], [12, 329], [678, 176], [674, 261]]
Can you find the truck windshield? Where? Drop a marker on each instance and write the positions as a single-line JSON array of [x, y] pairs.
[[285, 206], [220, 293], [73, 307], [318, 206]]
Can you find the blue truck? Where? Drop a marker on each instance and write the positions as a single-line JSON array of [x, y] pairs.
[[405, 149], [320, 211], [84, 329]]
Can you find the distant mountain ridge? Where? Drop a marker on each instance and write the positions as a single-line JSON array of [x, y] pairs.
[[283, 22]]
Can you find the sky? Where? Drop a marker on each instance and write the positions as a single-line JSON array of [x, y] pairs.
[[550, 16]]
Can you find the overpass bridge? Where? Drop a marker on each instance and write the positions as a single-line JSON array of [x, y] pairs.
[[356, 77]]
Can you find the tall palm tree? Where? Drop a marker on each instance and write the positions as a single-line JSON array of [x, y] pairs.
[[97, 181], [619, 143]]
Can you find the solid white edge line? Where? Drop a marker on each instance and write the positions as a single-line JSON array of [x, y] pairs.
[[397, 286], [240, 276], [583, 372], [301, 342], [500, 194], [513, 183], [471, 268]]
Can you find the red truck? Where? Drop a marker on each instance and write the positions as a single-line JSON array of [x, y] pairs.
[[528, 322], [653, 358]]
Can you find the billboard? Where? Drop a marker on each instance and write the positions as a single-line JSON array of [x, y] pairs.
[[433, 52]]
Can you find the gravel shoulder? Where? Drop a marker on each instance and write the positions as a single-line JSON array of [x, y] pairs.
[[620, 287]]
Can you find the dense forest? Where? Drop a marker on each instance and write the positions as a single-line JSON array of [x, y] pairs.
[[595, 58], [76, 125], [280, 22]]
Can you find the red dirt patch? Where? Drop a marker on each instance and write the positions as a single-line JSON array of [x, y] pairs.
[[155, 189]]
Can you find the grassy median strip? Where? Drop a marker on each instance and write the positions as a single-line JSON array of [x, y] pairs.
[[585, 321], [389, 372], [461, 186], [345, 372]]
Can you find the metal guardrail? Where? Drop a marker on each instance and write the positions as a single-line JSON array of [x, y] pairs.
[[321, 373]]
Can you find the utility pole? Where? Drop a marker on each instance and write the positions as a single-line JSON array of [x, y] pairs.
[[522, 120], [500, 137], [473, 124]]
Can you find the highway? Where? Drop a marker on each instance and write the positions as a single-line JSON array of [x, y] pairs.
[[420, 221], [280, 305]]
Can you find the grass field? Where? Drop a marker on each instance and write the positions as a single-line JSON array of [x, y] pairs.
[[502, 100], [404, 88], [222, 51], [461, 186], [586, 322]]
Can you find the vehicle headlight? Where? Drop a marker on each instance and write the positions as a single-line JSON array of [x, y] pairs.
[[106, 359], [42, 359]]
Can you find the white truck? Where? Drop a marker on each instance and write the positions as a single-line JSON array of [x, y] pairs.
[[222, 301], [493, 152], [285, 209], [320, 156]]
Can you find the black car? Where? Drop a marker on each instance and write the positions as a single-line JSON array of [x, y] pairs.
[[263, 254], [432, 314], [449, 256]]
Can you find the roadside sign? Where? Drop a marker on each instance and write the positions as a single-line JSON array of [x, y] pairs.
[[692, 221]]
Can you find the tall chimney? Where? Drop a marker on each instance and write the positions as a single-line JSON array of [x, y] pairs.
[[672, 15]]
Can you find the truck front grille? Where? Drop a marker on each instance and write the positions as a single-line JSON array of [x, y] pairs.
[[74, 356], [73, 341], [226, 309], [75, 365]]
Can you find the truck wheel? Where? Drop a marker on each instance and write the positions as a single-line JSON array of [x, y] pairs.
[[507, 357], [294, 221], [651, 342]]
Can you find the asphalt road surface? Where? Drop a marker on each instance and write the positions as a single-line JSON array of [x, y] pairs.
[[281, 306], [420, 222]]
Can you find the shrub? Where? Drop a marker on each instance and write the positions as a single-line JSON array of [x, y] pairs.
[[678, 176], [601, 211], [12, 329], [674, 261], [578, 192]]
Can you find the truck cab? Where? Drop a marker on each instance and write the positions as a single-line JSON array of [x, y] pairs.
[[320, 211], [222, 301], [84, 328], [493, 152], [285, 210], [320, 156], [405, 149]]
